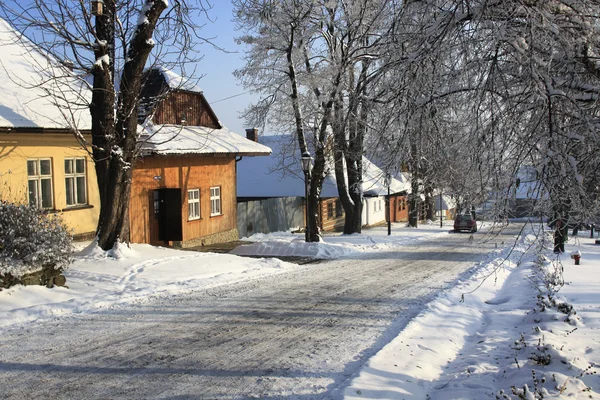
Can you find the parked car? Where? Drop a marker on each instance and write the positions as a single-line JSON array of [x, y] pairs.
[[465, 222]]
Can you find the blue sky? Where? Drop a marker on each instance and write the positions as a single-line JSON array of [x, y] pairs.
[[217, 67]]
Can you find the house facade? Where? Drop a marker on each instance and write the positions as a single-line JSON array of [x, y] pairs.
[[57, 176], [184, 185], [42, 163]]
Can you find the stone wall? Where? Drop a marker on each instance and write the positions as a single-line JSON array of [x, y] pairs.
[[220, 237]]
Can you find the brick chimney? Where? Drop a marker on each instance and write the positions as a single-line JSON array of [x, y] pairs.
[[252, 134]]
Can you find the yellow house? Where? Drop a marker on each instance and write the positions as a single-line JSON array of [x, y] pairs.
[[42, 163]]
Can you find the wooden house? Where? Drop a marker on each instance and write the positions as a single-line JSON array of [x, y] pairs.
[[271, 190], [41, 161], [184, 185]]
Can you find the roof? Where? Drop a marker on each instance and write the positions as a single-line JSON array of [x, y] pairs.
[[26, 79], [374, 181], [177, 139], [158, 82], [175, 81], [280, 174], [267, 177]]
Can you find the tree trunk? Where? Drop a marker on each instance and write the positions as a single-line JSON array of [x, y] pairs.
[[113, 223], [314, 194], [413, 203], [429, 203], [114, 134]]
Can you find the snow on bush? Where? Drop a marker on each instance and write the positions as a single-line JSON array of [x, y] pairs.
[[31, 239]]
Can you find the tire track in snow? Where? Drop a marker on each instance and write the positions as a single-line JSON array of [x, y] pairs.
[[299, 334]]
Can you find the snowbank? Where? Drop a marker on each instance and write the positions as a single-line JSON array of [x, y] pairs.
[[502, 334]]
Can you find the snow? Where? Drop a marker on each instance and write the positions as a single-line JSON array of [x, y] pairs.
[[26, 84], [102, 61], [177, 139], [176, 81], [270, 177], [487, 344], [485, 335]]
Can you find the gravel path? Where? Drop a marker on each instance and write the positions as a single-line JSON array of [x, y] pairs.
[[298, 335]]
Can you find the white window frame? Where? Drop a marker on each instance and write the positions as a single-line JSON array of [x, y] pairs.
[[194, 210], [215, 201], [71, 180], [37, 177]]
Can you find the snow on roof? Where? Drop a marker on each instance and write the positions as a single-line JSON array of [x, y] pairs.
[[374, 181], [177, 139], [268, 177], [176, 81], [27, 80]]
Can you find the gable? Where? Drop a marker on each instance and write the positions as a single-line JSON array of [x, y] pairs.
[[185, 108], [169, 99]]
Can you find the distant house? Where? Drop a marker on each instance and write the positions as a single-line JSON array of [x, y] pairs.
[[41, 161], [375, 194], [445, 207], [271, 193], [184, 185], [521, 200]]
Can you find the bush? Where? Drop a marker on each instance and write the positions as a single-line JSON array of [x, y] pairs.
[[31, 240]]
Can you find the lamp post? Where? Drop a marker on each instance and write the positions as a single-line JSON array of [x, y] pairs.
[[306, 167], [441, 210], [388, 182]]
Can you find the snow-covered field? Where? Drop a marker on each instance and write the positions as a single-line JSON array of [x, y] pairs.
[[476, 340]]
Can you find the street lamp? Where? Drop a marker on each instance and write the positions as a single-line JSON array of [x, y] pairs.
[[306, 167], [388, 182], [441, 211]]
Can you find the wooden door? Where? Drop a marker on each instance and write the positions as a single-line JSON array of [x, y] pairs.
[[170, 227]]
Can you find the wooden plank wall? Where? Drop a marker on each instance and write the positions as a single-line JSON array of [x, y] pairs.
[[399, 208], [186, 172], [331, 224], [191, 105]]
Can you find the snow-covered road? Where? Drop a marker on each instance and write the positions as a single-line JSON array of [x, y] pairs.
[[300, 334]]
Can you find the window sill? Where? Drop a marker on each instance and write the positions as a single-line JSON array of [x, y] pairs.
[[76, 208], [216, 215], [194, 219]]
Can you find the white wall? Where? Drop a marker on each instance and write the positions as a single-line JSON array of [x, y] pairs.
[[373, 210]]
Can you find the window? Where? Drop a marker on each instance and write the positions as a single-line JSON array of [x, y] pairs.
[[215, 200], [75, 181], [339, 211], [193, 204], [39, 182], [329, 210], [380, 205]]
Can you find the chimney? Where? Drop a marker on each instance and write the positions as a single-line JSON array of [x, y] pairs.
[[252, 134]]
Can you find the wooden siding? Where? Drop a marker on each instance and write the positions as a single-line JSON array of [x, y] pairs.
[[334, 223], [399, 208], [187, 173], [176, 105]]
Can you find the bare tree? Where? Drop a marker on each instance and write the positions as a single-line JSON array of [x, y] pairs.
[[109, 45]]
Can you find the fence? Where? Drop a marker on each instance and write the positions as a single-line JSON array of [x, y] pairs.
[[269, 215]]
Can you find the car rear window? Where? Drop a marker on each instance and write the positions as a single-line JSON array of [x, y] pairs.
[[465, 218]]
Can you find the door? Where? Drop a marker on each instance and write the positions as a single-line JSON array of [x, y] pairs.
[[167, 209]]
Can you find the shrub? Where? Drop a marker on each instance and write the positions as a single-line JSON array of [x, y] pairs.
[[31, 240]]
